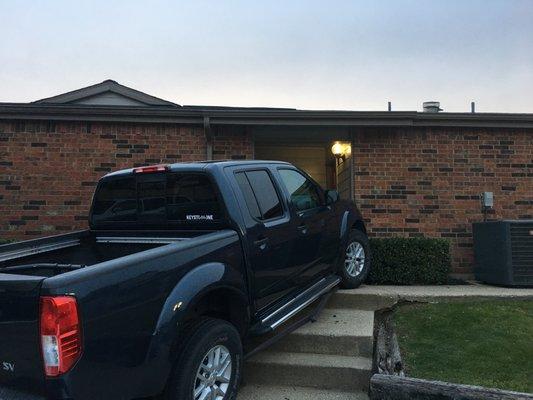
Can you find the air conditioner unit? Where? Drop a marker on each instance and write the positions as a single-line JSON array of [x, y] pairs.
[[503, 252]]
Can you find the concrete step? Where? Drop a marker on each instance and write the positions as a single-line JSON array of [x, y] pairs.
[[323, 371], [253, 392], [359, 300], [337, 331]]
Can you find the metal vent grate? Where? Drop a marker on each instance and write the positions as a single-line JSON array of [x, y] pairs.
[[522, 252]]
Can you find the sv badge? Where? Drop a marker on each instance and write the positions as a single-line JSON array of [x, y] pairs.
[[9, 367]]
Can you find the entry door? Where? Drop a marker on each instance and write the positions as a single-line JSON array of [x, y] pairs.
[[344, 177], [270, 237]]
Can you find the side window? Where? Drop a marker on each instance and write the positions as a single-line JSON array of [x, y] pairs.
[[248, 193], [260, 195], [303, 193], [265, 193]]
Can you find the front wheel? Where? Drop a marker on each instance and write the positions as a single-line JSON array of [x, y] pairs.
[[209, 367], [355, 261]]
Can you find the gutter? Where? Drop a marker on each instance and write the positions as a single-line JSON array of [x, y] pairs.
[[264, 117]]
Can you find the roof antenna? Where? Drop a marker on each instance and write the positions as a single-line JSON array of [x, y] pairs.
[[390, 106]]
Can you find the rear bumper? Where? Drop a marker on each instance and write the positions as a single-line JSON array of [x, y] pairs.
[[12, 394]]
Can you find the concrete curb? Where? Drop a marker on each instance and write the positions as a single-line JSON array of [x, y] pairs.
[[390, 387], [381, 297]]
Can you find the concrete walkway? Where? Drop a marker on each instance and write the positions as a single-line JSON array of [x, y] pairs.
[[370, 297], [444, 292]]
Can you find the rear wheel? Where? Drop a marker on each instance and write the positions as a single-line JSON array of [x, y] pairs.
[[209, 367], [356, 259]]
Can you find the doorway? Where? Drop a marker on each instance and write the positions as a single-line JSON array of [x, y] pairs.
[[311, 159], [316, 160]]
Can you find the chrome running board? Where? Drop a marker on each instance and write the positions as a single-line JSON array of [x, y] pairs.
[[294, 306]]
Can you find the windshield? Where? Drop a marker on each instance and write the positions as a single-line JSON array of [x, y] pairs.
[[156, 199]]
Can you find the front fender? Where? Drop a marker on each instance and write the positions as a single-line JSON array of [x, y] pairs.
[[349, 218]]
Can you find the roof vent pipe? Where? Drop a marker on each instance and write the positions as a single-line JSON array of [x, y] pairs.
[[431, 106]]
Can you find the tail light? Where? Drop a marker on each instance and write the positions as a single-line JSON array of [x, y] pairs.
[[151, 168], [60, 334]]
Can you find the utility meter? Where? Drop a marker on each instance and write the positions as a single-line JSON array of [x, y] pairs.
[[487, 200]]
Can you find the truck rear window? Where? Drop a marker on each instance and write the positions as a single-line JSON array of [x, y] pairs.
[[157, 199]]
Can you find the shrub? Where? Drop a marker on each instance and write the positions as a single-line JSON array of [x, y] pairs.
[[409, 261]]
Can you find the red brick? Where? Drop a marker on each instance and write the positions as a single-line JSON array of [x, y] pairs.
[[54, 172], [441, 187]]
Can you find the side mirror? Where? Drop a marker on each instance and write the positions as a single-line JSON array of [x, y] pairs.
[[332, 196]]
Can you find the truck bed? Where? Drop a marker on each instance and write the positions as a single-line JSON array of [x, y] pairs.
[[138, 270], [55, 255]]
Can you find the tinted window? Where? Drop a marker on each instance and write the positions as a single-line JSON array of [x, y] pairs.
[[248, 194], [303, 193], [265, 193], [260, 195], [116, 200], [158, 198], [191, 198], [151, 190]]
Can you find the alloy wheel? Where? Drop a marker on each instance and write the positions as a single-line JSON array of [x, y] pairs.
[[214, 375], [355, 259]]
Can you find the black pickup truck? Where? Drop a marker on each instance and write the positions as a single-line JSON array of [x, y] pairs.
[[181, 266]]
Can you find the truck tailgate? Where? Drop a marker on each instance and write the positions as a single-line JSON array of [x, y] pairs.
[[21, 363]]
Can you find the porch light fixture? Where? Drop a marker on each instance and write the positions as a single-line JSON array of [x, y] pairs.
[[341, 150]]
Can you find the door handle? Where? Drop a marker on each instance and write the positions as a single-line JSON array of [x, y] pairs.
[[261, 243], [302, 228]]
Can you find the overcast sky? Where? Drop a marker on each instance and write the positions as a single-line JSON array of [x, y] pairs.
[[304, 54]]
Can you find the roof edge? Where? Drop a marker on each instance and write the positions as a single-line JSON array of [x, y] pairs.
[[268, 117], [102, 87]]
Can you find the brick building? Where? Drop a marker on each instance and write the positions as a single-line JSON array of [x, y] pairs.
[[412, 173]]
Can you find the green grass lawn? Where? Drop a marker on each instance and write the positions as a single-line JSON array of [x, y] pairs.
[[482, 343]]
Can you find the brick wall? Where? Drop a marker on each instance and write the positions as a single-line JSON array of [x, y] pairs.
[[426, 182], [408, 182], [232, 143], [48, 171]]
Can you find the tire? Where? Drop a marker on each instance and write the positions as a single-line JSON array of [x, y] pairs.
[[357, 249], [204, 339]]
